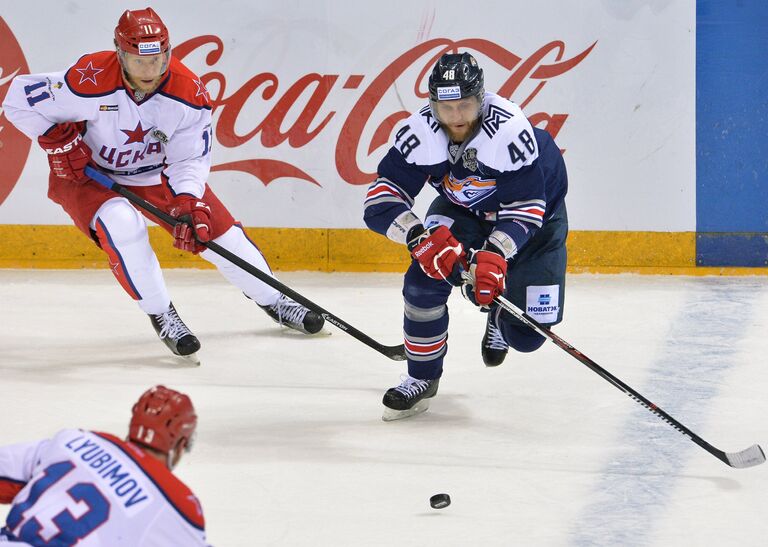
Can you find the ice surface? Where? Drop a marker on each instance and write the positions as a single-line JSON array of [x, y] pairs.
[[291, 449]]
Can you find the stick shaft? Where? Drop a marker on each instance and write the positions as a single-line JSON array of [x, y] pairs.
[[396, 353], [753, 455]]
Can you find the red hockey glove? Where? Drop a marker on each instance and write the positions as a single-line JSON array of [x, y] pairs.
[[195, 226], [439, 254], [488, 271], [67, 152]]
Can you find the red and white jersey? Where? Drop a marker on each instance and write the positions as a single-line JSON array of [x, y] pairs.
[[93, 489], [132, 137]]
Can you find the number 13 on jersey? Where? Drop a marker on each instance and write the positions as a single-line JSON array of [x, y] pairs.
[[63, 528]]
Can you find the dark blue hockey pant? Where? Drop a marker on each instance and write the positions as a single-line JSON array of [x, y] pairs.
[[535, 283]]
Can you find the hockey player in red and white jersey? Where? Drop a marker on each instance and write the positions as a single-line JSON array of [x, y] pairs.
[[144, 118], [95, 490]]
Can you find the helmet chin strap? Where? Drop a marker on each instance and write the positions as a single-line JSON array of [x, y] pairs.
[[173, 456], [169, 459]]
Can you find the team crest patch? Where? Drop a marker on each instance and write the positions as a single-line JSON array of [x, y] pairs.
[[159, 135], [469, 159], [467, 191]]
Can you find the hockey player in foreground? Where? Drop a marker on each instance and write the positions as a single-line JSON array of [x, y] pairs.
[[145, 119], [500, 216], [94, 489]]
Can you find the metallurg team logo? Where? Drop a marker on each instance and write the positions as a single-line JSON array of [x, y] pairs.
[[468, 191]]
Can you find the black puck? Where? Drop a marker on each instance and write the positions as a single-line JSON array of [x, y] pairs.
[[440, 501]]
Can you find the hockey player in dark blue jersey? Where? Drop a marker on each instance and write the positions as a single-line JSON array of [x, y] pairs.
[[499, 216]]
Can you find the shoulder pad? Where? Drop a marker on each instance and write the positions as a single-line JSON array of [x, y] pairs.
[[176, 492], [420, 140], [95, 74], [509, 138], [185, 86]]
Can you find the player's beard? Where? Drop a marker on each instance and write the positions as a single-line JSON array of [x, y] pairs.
[[460, 134], [143, 86]]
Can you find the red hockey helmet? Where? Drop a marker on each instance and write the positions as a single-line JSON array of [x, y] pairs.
[[141, 32], [162, 418]]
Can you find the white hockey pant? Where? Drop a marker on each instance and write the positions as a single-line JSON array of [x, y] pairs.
[[122, 233], [236, 242]]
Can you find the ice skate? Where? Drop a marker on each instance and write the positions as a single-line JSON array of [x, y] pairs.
[[409, 398], [175, 334], [293, 315], [493, 348]]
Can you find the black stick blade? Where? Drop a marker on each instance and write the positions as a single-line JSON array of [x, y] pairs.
[[396, 353]]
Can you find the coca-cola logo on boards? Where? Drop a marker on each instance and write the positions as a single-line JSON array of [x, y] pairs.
[[14, 146], [307, 95], [543, 65]]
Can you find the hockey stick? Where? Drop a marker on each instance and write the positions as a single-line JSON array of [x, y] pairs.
[[748, 457], [396, 353]]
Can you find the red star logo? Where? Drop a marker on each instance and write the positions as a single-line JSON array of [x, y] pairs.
[[88, 74], [201, 89], [136, 135]]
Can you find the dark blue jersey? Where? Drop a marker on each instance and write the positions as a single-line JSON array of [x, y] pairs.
[[509, 173]]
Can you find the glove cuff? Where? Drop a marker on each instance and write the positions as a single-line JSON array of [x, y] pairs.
[[400, 229], [414, 236], [490, 246], [504, 244]]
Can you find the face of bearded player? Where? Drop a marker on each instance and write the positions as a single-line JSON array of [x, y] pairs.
[[458, 118]]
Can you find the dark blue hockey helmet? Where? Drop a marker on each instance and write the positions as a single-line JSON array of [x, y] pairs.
[[455, 76]]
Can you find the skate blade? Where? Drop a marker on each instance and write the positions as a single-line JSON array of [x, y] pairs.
[[390, 415], [191, 358], [291, 331], [321, 332]]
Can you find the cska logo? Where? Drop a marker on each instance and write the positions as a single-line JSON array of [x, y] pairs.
[[14, 145]]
